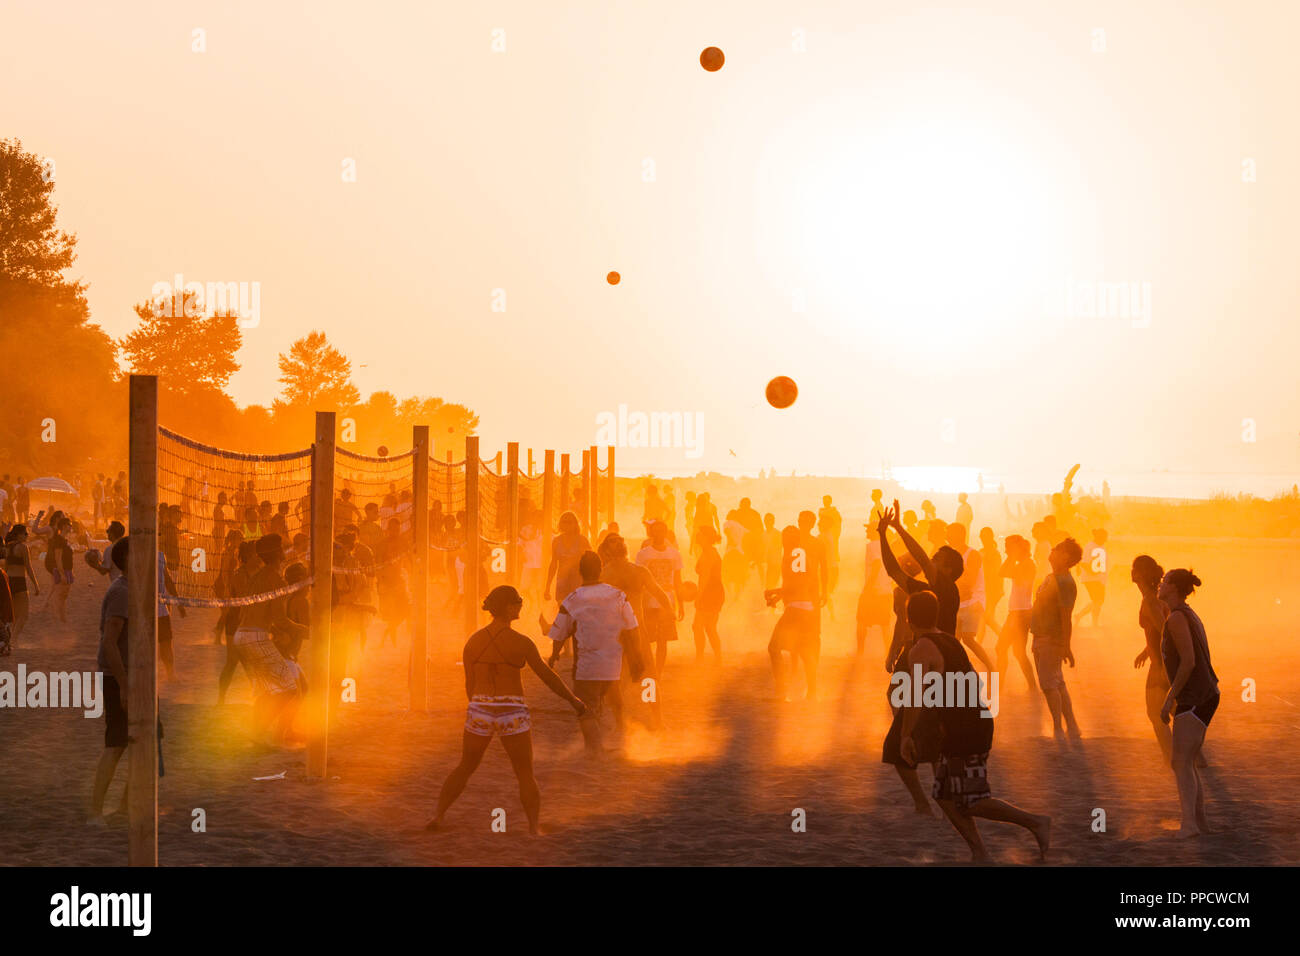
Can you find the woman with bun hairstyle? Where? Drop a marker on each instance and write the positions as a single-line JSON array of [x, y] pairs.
[[1193, 693], [1147, 575], [494, 659]]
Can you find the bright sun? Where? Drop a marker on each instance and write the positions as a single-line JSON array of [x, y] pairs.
[[936, 222]]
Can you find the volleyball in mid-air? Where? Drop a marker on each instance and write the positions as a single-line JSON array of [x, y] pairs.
[[383, 451], [613, 278], [782, 391], [712, 59]]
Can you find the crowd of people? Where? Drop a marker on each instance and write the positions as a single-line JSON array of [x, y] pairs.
[[932, 594]]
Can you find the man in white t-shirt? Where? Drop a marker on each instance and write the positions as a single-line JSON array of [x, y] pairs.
[[603, 626]]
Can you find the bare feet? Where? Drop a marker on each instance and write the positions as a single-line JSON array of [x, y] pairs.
[[434, 825], [1186, 834], [1042, 831]]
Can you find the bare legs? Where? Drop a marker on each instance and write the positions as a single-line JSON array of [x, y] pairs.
[[473, 747], [1013, 637], [912, 781], [1155, 695], [705, 626], [1058, 702], [1187, 737], [103, 777]]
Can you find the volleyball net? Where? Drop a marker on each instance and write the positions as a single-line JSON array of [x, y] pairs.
[[214, 503]]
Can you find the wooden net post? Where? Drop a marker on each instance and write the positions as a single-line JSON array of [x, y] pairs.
[[142, 626], [584, 507], [611, 504], [512, 515], [322, 577], [530, 463], [564, 490], [471, 534], [593, 495], [548, 507], [420, 567], [496, 462]]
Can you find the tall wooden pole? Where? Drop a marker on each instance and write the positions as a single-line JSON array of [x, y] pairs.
[[497, 463], [593, 495], [471, 534], [420, 567], [320, 684], [564, 490], [610, 492], [142, 626], [548, 507], [530, 463], [512, 515], [584, 506]]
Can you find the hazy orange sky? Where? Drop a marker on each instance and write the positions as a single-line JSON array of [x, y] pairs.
[[921, 179]]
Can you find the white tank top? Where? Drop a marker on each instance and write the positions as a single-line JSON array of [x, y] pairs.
[[977, 590]]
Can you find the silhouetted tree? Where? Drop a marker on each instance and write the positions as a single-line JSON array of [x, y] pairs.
[[315, 374]]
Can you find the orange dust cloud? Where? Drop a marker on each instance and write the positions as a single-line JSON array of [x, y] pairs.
[[782, 391]]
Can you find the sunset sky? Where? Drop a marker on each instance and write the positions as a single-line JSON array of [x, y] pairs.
[[884, 201]]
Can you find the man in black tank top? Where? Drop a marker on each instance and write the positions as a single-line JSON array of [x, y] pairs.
[[961, 786]]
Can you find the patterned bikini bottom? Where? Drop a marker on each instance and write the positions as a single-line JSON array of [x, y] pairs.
[[505, 715]]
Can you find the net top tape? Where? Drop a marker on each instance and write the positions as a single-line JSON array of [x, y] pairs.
[[225, 453]]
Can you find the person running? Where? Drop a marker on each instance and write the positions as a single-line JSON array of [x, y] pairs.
[[991, 562], [1092, 573], [1147, 575], [1014, 636], [494, 659], [798, 629], [1193, 694], [664, 564], [603, 626], [1050, 622], [711, 594], [18, 565], [961, 782], [970, 613]]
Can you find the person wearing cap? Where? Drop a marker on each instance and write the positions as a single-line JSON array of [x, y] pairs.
[[494, 659]]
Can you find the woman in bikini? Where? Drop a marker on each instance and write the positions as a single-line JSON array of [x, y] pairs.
[[1146, 574], [494, 659]]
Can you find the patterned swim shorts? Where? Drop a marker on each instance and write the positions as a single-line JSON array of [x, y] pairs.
[[963, 780], [504, 715]]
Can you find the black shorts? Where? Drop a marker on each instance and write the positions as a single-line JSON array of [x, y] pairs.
[[1204, 711], [114, 714]]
